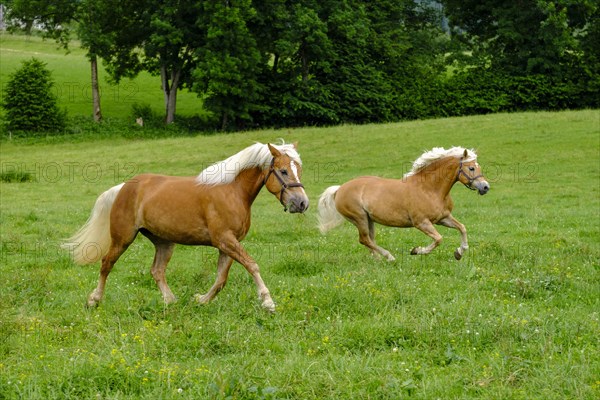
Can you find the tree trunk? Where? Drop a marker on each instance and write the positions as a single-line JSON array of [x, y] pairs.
[[275, 63], [172, 104], [170, 92], [224, 122], [95, 90], [304, 60]]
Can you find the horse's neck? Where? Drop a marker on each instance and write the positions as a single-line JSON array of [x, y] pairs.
[[249, 182], [440, 176]]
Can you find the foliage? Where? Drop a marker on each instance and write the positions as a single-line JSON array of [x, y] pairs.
[[71, 73], [505, 322], [294, 63], [228, 63], [94, 22], [50, 17], [480, 91], [346, 61], [557, 39], [29, 102]]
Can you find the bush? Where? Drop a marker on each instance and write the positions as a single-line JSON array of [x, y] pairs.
[[143, 113], [477, 92], [480, 91], [29, 102]]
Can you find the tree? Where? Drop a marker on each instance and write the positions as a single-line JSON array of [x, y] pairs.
[[56, 17], [171, 48], [292, 37], [93, 29], [29, 102], [525, 37], [52, 16], [345, 61], [167, 34], [229, 62]]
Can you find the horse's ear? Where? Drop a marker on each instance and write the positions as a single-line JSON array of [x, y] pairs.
[[273, 150], [465, 154], [295, 145]]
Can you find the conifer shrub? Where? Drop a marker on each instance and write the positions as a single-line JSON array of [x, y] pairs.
[[29, 102]]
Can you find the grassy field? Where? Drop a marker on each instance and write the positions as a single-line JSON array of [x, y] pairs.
[[71, 74], [517, 318]]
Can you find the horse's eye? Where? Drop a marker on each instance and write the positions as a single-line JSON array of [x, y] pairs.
[[472, 169], [284, 172]]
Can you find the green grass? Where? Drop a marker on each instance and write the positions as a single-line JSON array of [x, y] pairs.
[[71, 74], [517, 318]]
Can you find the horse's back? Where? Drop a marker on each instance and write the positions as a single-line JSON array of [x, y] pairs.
[[385, 200], [149, 188], [367, 186], [166, 206], [180, 210]]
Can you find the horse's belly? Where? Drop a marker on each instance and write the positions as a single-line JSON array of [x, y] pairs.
[[389, 215], [384, 200], [188, 234]]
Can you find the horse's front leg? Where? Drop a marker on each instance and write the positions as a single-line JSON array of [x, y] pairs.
[[452, 222], [234, 249], [427, 228], [223, 266]]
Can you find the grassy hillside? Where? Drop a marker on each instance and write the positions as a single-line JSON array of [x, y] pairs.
[[71, 73], [517, 318]]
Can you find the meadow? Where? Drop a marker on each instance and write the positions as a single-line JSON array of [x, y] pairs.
[[72, 80], [516, 318]]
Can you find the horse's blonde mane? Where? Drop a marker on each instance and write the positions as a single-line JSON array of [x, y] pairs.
[[437, 153], [257, 155]]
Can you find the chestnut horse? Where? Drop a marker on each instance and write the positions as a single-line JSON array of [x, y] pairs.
[[212, 209], [421, 199]]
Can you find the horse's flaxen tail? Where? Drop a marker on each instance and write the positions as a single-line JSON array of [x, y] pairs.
[[329, 217], [92, 240]]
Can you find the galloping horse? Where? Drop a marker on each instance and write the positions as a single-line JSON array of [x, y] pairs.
[[212, 209], [421, 199]]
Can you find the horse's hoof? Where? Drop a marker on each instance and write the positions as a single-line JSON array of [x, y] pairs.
[[91, 303], [202, 298], [414, 251], [269, 306], [457, 255], [390, 258], [170, 300]]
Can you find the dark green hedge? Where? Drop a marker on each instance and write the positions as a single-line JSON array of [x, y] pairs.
[[372, 98]]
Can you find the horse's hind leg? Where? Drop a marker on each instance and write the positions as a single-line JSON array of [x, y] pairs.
[[223, 266], [366, 236], [452, 222], [108, 261], [427, 228], [122, 235], [162, 256]]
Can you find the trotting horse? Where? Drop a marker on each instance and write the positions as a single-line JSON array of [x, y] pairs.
[[212, 209], [421, 199]]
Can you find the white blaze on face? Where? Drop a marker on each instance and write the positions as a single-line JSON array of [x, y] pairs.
[[294, 169]]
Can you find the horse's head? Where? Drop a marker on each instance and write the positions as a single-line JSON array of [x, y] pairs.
[[470, 175], [283, 180]]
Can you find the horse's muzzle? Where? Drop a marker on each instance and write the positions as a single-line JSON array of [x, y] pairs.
[[297, 203], [482, 187]]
